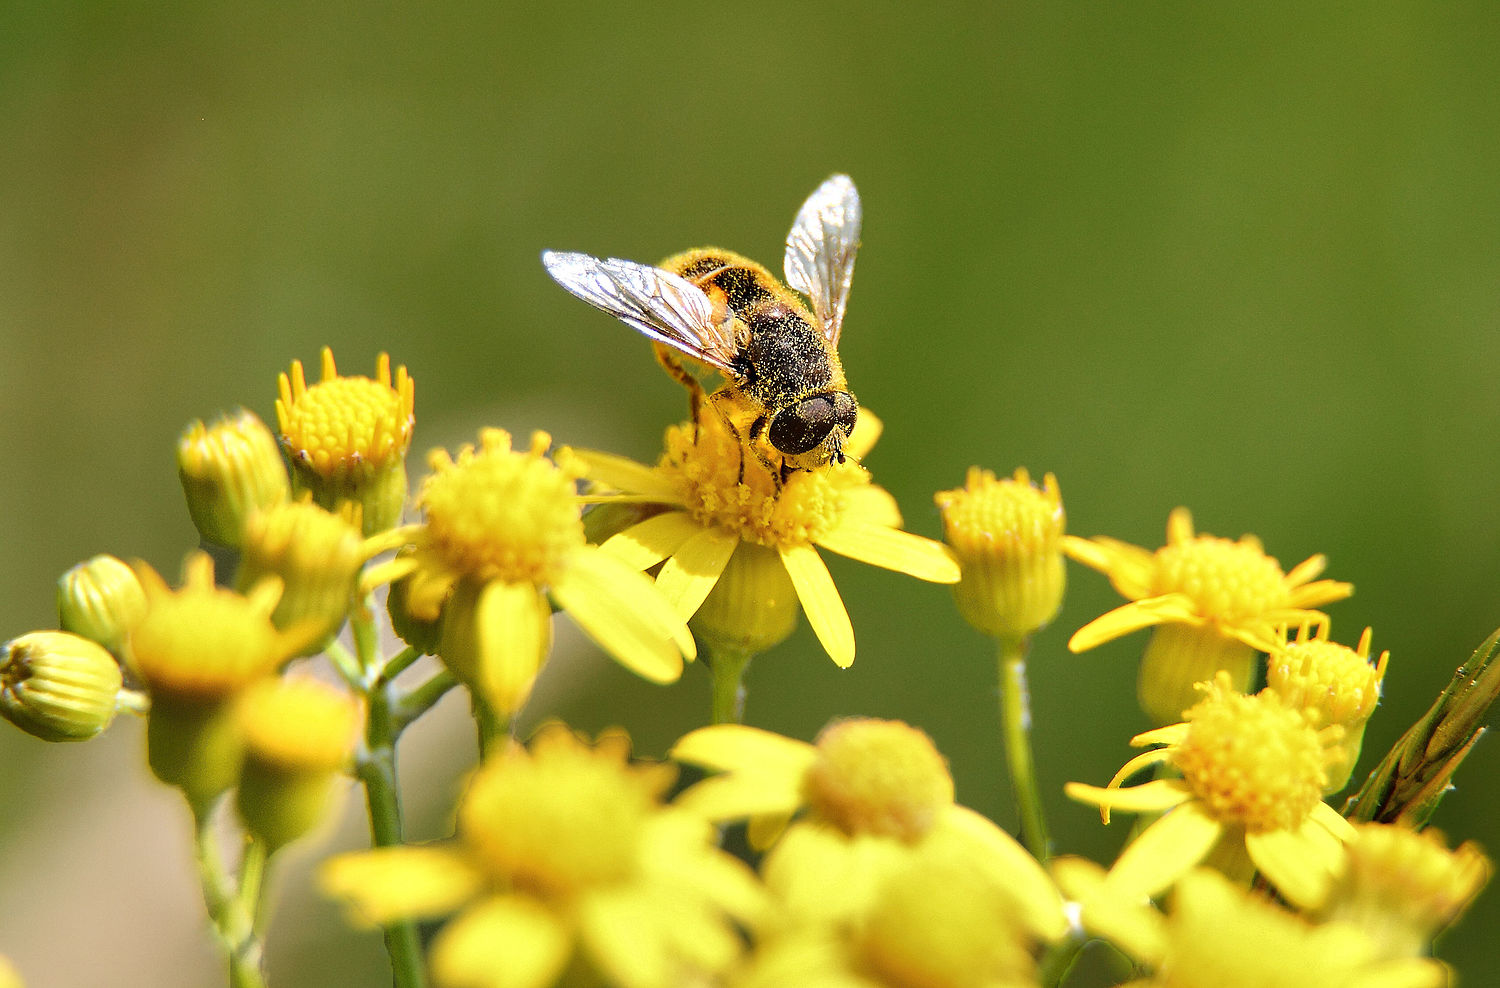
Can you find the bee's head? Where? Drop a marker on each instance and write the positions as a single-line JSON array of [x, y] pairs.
[[814, 428]]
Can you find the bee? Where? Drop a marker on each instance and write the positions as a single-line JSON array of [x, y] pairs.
[[784, 395]]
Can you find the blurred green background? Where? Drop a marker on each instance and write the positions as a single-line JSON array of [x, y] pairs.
[[1245, 259]]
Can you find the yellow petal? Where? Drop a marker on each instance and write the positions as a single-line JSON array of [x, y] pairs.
[[1301, 863], [1129, 567], [1171, 734], [893, 549], [821, 602], [733, 747], [1165, 851], [647, 543], [1148, 797], [871, 505], [1130, 923], [627, 475], [503, 942], [390, 883], [820, 875], [1013, 868], [626, 938], [740, 795], [694, 568], [867, 430], [1130, 617], [619, 608], [514, 626], [766, 829]]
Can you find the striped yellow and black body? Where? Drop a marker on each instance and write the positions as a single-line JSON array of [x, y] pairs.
[[789, 390], [784, 396]]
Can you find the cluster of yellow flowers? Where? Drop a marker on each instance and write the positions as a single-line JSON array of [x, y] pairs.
[[573, 863]]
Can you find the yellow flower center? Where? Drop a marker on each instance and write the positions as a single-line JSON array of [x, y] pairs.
[[203, 642], [346, 427], [498, 514], [563, 818], [727, 487], [878, 777], [1252, 760], [988, 517], [1230, 582]]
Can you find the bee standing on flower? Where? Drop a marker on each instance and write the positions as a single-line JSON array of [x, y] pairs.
[[784, 397]]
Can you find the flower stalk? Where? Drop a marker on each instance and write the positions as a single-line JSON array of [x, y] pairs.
[[728, 666], [1015, 721]]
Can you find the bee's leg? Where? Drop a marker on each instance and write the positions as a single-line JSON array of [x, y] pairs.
[[682, 376], [777, 471]]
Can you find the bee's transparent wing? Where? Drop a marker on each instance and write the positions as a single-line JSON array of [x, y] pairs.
[[664, 306], [820, 250]]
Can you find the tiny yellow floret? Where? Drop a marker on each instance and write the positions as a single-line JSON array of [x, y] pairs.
[[1335, 684], [1008, 537]]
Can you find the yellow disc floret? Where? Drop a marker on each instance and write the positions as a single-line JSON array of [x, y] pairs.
[[344, 426], [727, 488], [495, 514], [878, 777], [1252, 760], [562, 818], [1230, 582]]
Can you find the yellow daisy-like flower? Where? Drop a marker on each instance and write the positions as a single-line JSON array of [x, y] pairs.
[[1214, 604], [1253, 774], [346, 437], [1218, 935], [729, 518], [565, 860], [197, 649], [1334, 683], [1403, 887], [871, 793], [502, 534]]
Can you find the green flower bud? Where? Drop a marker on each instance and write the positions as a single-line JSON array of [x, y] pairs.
[[229, 470], [316, 555], [100, 599], [58, 686]]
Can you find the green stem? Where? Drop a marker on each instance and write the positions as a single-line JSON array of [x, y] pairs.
[[232, 922], [345, 663], [728, 667], [399, 662], [252, 882], [422, 698], [494, 730], [1015, 723], [377, 770]]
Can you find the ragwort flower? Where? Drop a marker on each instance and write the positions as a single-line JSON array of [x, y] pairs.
[[565, 860], [870, 793], [727, 516], [1336, 684], [502, 534], [1214, 604], [346, 437], [1253, 773]]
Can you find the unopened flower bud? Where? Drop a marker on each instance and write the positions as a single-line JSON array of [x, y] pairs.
[[101, 600], [229, 470], [316, 555], [58, 686], [1008, 537], [1335, 684]]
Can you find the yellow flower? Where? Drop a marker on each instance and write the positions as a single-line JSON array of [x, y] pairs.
[[724, 506], [1219, 935], [196, 649], [298, 733], [1403, 887], [1008, 537], [932, 922], [871, 792], [1214, 603], [1335, 684], [502, 533], [565, 856], [346, 437], [1253, 773]]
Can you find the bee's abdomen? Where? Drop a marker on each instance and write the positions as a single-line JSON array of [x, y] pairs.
[[783, 352]]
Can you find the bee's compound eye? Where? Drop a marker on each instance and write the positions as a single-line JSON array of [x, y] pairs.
[[803, 426]]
